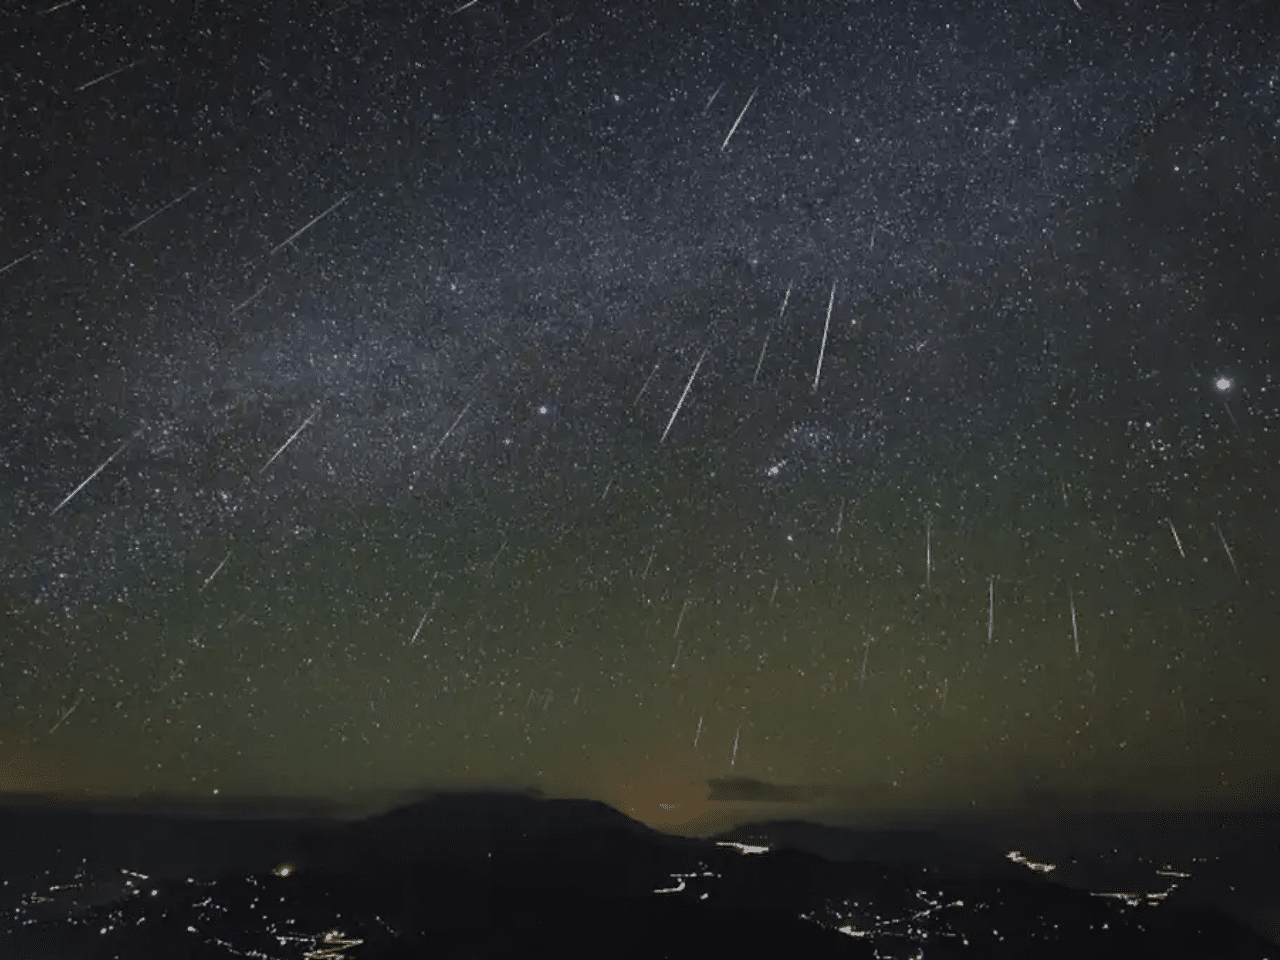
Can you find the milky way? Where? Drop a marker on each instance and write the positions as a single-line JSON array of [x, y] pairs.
[[383, 383]]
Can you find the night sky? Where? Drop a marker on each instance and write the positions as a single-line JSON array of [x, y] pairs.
[[700, 407]]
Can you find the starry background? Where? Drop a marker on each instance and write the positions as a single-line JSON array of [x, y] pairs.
[[869, 405]]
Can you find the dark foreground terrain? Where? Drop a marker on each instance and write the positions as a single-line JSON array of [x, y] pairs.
[[480, 876]]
